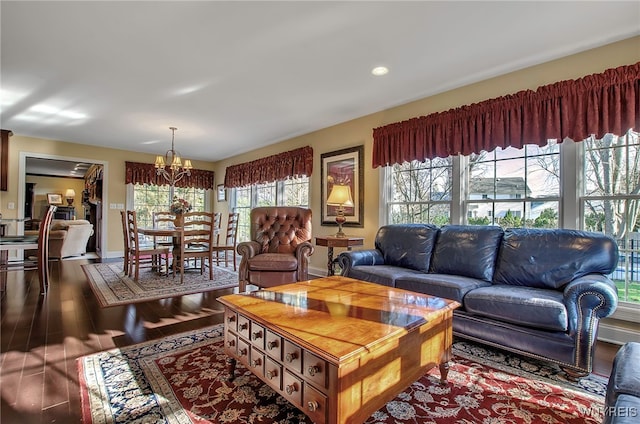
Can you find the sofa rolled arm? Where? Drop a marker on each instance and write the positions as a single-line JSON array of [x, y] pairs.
[[352, 258], [588, 299], [303, 251]]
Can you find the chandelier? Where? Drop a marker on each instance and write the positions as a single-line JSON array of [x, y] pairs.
[[172, 158]]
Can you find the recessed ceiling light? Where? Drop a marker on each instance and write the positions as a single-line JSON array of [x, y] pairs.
[[380, 70]]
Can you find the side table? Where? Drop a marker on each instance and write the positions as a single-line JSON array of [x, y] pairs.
[[332, 241]]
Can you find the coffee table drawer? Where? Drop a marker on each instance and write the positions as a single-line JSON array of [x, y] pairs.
[[230, 343], [314, 404], [273, 373], [257, 335], [273, 345], [257, 362], [292, 388], [243, 351], [315, 369], [244, 325], [230, 319], [292, 356]]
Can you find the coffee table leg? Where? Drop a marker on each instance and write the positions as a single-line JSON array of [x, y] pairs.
[[444, 371], [231, 368]]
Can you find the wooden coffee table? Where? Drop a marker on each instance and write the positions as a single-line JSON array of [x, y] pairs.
[[335, 347]]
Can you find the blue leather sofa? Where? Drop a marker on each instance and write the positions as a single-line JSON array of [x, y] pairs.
[[535, 292]]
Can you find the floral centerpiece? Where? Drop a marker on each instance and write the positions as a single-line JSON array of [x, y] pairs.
[[179, 207]]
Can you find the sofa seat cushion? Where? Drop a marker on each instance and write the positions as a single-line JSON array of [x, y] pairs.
[[385, 275], [467, 250], [527, 306], [407, 245], [273, 262], [446, 286]]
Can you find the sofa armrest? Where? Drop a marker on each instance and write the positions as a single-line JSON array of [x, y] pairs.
[[303, 251], [588, 299], [352, 258]]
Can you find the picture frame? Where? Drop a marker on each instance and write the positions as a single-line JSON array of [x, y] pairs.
[[222, 193], [346, 166], [54, 198]]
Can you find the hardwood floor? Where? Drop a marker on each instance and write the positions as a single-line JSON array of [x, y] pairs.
[[41, 338]]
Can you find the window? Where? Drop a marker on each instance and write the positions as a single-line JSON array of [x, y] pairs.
[[148, 199], [611, 203], [515, 187], [290, 192], [521, 188], [421, 192]]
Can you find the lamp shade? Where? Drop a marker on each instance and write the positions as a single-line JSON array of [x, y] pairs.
[[70, 193], [340, 196]]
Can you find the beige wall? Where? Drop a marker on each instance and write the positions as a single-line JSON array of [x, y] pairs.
[[352, 133], [45, 185], [360, 131]]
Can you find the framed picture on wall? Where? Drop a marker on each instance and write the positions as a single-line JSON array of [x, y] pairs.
[[54, 198], [345, 168], [222, 193]]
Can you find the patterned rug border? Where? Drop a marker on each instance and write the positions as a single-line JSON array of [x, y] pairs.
[[113, 288], [140, 359]]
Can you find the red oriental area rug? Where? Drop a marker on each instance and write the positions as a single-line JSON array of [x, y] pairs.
[[183, 379]]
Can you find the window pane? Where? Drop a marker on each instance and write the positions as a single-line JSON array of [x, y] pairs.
[[420, 192], [531, 174], [611, 203]]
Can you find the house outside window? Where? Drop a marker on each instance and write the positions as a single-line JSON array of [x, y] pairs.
[[290, 192]]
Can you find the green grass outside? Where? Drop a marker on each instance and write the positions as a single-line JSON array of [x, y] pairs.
[[632, 292]]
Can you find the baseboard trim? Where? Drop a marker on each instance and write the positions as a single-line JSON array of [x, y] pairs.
[[616, 335]]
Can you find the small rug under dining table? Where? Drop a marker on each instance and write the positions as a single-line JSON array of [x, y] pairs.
[[113, 287]]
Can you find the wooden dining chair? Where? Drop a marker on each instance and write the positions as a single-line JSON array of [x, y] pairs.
[[41, 262], [141, 254], [163, 219], [197, 242], [228, 248]]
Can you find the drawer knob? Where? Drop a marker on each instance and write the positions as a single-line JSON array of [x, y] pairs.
[[271, 374], [231, 343], [242, 352], [244, 326], [313, 370], [291, 356], [272, 344], [255, 363], [312, 405], [290, 389], [256, 335], [231, 318]]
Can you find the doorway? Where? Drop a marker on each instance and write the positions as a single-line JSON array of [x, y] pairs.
[[60, 161]]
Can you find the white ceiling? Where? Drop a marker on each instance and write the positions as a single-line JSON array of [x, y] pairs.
[[234, 76]]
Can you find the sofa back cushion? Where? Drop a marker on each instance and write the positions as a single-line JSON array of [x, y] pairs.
[[552, 258], [407, 245], [467, 250]]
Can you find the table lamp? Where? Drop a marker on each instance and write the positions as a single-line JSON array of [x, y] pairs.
[[70, 194], [340, 196]]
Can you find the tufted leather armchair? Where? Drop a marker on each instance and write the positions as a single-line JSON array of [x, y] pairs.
[[280, 246]]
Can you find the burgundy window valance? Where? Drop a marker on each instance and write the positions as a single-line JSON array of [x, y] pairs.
[[595, 104], [145, 173], [271, 168]]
